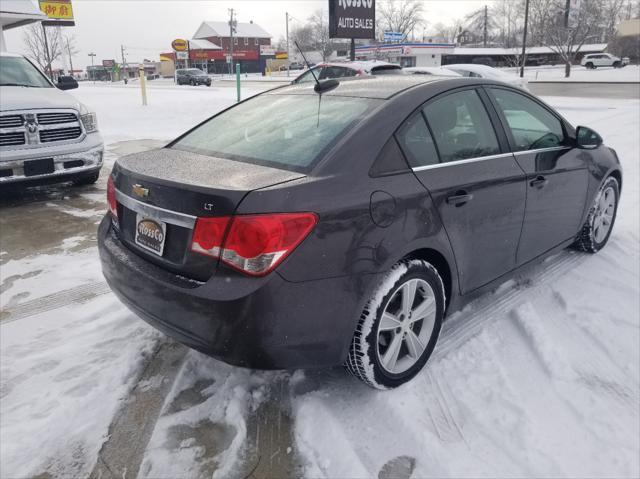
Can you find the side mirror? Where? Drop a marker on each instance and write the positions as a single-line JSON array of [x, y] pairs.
[[67, 83], [587, 138]]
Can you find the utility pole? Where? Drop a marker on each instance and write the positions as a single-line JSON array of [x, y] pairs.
[[232, 28], [70, 59], [124, 63], [486, 15], [93, 73], [524, 38], [288, 59]]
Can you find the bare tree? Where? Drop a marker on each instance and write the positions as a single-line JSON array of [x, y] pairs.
[[508, 21], [564, 41], [401, 16], [447, 32], [303, 36], [34, 40], [319, 25]]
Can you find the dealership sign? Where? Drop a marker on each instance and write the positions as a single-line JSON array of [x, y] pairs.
[[352, 18], [179, 45], [59, 12], [108, 63]]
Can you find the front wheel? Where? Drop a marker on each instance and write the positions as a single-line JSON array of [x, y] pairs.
[[597, 228], [399, 326], [616, 65], [590, 66]]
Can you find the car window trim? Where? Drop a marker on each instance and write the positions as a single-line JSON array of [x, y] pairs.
[[465, 161]]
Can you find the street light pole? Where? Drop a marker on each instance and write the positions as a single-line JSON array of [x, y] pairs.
[[231, 28], [93, 73]]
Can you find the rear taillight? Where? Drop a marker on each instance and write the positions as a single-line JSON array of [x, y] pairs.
[[111, 198], [254, 244]]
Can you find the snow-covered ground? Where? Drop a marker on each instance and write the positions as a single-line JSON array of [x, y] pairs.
[[540, 378], [630, 73]]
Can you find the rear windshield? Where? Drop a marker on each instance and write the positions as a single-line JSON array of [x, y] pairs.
[[284, 131]]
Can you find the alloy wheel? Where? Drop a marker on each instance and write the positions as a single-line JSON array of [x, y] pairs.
[[605, 210], [406, 326]]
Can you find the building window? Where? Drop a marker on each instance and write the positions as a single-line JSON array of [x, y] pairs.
[[246, 41], [235, 40], [256, 42]]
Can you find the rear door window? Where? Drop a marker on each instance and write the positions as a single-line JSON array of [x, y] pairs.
[[461, 127], [284, 131], [532, 126], [416, 142]]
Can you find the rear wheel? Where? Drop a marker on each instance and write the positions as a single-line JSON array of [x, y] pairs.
[[399, 326], [597, 228]]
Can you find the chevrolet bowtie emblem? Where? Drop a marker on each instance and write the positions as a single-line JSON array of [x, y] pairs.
[[140, 191]]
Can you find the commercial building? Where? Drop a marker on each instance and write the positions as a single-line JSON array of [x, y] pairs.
[[211, 45], [436, 54], [16, 13]]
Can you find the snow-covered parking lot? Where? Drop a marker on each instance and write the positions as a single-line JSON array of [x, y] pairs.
[[540, 378]]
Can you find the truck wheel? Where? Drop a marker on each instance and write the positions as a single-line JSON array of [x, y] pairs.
[[399, 326], [597, 228], [87, 180]]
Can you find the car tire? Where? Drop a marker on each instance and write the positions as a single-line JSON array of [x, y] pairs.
[[192, 83], [616, 64], [590, 66], [602, 215], [87, 180], [371, 357]]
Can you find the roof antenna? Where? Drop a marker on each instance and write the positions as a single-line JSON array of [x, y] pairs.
[[326, 85]]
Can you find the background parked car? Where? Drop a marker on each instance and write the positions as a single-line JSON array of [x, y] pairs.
[[324, 71], [438, 71], [595, 60], [192, 76], [484, 71]]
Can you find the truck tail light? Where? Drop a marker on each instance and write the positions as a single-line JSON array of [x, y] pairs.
[[254, 244], [111, 198]]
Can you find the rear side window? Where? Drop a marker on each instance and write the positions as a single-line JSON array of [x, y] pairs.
[[284, 131], [461, 127], [416, 142], [532, 126]]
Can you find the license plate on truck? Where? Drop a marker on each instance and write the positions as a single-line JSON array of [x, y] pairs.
[[150, 234]]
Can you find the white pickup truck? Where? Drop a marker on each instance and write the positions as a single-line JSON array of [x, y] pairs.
[[46, 135]]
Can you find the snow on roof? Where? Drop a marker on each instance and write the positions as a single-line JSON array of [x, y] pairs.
[[202, 44], [595, 47], [221, 29], [14, 13]]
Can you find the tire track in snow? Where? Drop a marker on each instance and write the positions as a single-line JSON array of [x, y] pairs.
[[54, 301], [467, 323]]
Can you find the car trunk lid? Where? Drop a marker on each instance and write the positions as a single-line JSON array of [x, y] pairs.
[[173, 188]]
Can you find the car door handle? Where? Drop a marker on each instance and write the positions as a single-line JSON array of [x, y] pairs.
[[459, 198], [539, 182]]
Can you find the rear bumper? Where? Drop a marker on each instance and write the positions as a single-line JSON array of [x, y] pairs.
[[261, 323]]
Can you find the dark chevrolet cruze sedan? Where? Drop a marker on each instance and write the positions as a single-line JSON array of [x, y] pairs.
[[299, 229]]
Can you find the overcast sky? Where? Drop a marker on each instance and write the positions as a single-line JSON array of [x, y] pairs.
[[147, 27]]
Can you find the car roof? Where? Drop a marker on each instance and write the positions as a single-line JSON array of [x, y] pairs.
[[433, 71], [12, 55], [377, 87]]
